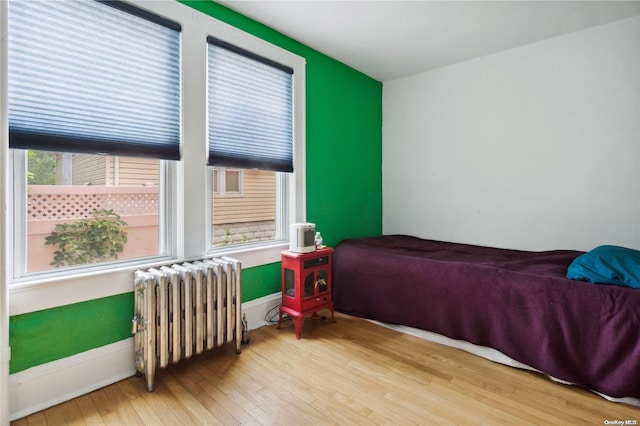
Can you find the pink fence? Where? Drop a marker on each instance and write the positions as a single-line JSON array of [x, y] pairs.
[[52, 205]]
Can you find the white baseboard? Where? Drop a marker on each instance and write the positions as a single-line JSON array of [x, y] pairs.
[[258, 309], [49, 384], [46, 385]]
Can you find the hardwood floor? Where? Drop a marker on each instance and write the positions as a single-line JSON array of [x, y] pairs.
[[350, 372]]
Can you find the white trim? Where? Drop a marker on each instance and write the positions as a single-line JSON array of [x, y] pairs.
[[257, 310], [46, 385], [49, 384], [50, 293], [5, 350]]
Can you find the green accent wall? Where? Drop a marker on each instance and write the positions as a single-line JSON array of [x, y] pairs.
[[344, 199], [39, 337]]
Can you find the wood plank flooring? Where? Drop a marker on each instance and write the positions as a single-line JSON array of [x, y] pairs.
[[350, 372]]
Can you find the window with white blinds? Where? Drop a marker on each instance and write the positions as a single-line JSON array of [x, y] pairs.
[[93, 77], [250, 113]]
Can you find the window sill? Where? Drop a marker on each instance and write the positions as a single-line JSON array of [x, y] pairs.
[[44, 293]]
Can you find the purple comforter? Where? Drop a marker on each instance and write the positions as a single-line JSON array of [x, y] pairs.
[[517, 302]]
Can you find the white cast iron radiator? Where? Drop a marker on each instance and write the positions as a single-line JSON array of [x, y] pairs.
[[184, 309]]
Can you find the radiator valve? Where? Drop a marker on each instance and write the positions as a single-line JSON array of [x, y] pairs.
[[135, 325], [245, 330]]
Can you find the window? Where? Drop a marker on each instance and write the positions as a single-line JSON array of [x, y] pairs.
[[101, 157], [94, 108], [250, 100], [227, 182]]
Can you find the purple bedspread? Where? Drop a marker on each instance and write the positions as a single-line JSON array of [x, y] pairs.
[[517, 302]]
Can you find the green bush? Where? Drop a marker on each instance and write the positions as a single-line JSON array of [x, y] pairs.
[[88, 240]]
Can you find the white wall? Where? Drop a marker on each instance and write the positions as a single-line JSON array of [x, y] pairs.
[[533, 148]]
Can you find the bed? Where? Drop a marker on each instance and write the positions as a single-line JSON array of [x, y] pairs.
[[518, 303]]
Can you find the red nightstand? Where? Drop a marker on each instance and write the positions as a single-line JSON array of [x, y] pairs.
[[306, 285]]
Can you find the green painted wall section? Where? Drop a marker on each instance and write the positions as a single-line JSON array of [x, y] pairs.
[[43, 336], [344, 199], [344, 152], [260, 281]]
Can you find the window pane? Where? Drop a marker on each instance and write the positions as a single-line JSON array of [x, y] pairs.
[[87, 209], [232, 181], [216, 185], [250, 217]]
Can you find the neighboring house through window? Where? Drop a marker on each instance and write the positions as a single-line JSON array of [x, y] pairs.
[[227, 182]]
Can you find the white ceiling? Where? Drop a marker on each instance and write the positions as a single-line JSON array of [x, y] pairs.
[[392, 39]]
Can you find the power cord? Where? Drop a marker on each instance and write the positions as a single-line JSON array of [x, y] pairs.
[[273, 315]]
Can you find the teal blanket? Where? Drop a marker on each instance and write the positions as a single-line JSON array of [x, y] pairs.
[[607, 265]]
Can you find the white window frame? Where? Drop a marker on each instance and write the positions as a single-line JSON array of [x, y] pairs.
[[290, 187], [188, 200]]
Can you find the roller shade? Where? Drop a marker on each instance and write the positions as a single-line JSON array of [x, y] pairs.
[[250, 104], [93, 77]]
